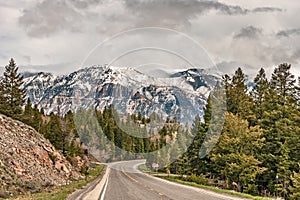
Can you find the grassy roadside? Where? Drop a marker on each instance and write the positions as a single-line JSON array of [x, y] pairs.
[[214, 189], [144, 169], [61, 192]]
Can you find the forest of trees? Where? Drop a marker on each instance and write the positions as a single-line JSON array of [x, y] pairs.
[[258, 150], [127, 136], [259, 147]]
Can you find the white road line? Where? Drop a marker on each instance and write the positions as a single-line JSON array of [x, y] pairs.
[[96, 192], [104, 190]]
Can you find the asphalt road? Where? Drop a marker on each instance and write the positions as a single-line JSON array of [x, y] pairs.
[[126, 182]]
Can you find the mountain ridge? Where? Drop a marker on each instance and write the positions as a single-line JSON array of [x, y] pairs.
[[181, 94]]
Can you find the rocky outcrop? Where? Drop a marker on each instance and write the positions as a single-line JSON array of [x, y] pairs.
[[29, 162]]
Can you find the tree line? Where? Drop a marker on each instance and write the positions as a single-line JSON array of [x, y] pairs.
[[126, 136]]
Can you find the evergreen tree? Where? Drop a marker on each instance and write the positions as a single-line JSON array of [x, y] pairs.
[[28, 113], [235, 154], [32, 116], [38, 118], [283, 83], [295, 186], [259, 93], [13, 96], [279, 124], [238, 101], [69, 125], [54, 132]]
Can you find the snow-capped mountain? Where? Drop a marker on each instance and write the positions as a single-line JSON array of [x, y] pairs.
[[182, 94]]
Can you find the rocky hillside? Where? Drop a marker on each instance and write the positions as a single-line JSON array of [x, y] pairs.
[[28, 162]]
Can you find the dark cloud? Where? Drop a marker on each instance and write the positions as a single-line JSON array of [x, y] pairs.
[[249, 32], [176, 13], [181, 7], [83, 4], [288, 33], [57, 69], [267, 9], [191, 7], [51, 16]]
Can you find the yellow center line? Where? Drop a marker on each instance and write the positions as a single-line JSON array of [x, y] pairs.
[[145, 186]]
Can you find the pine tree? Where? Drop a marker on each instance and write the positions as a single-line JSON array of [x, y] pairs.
[[235, 152], [259, 93], [12, 93], [28, 113], [70, 128], [198, 133], [279, 124], [238, 101], [283, 83], [214, 118], [54, 133]]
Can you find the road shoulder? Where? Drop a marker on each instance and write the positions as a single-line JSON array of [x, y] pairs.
[[90, 188]]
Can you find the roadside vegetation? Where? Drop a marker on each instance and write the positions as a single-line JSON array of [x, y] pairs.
[[61, 192], [258, 151], [197, 181], [211, 188]]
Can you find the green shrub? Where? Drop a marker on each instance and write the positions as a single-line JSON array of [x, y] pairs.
[[197, 179], [84, 169], [52, 157]]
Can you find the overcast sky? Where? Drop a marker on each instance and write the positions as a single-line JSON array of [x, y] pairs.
[[58, 35]]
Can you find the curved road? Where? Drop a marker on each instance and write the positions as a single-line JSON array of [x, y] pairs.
[[123, 181]]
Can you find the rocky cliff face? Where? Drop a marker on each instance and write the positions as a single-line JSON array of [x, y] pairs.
[[28, 162]]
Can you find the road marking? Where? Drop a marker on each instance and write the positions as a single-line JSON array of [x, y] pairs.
[[122, 168], [130, 177], [146, 187], [104, 190]]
